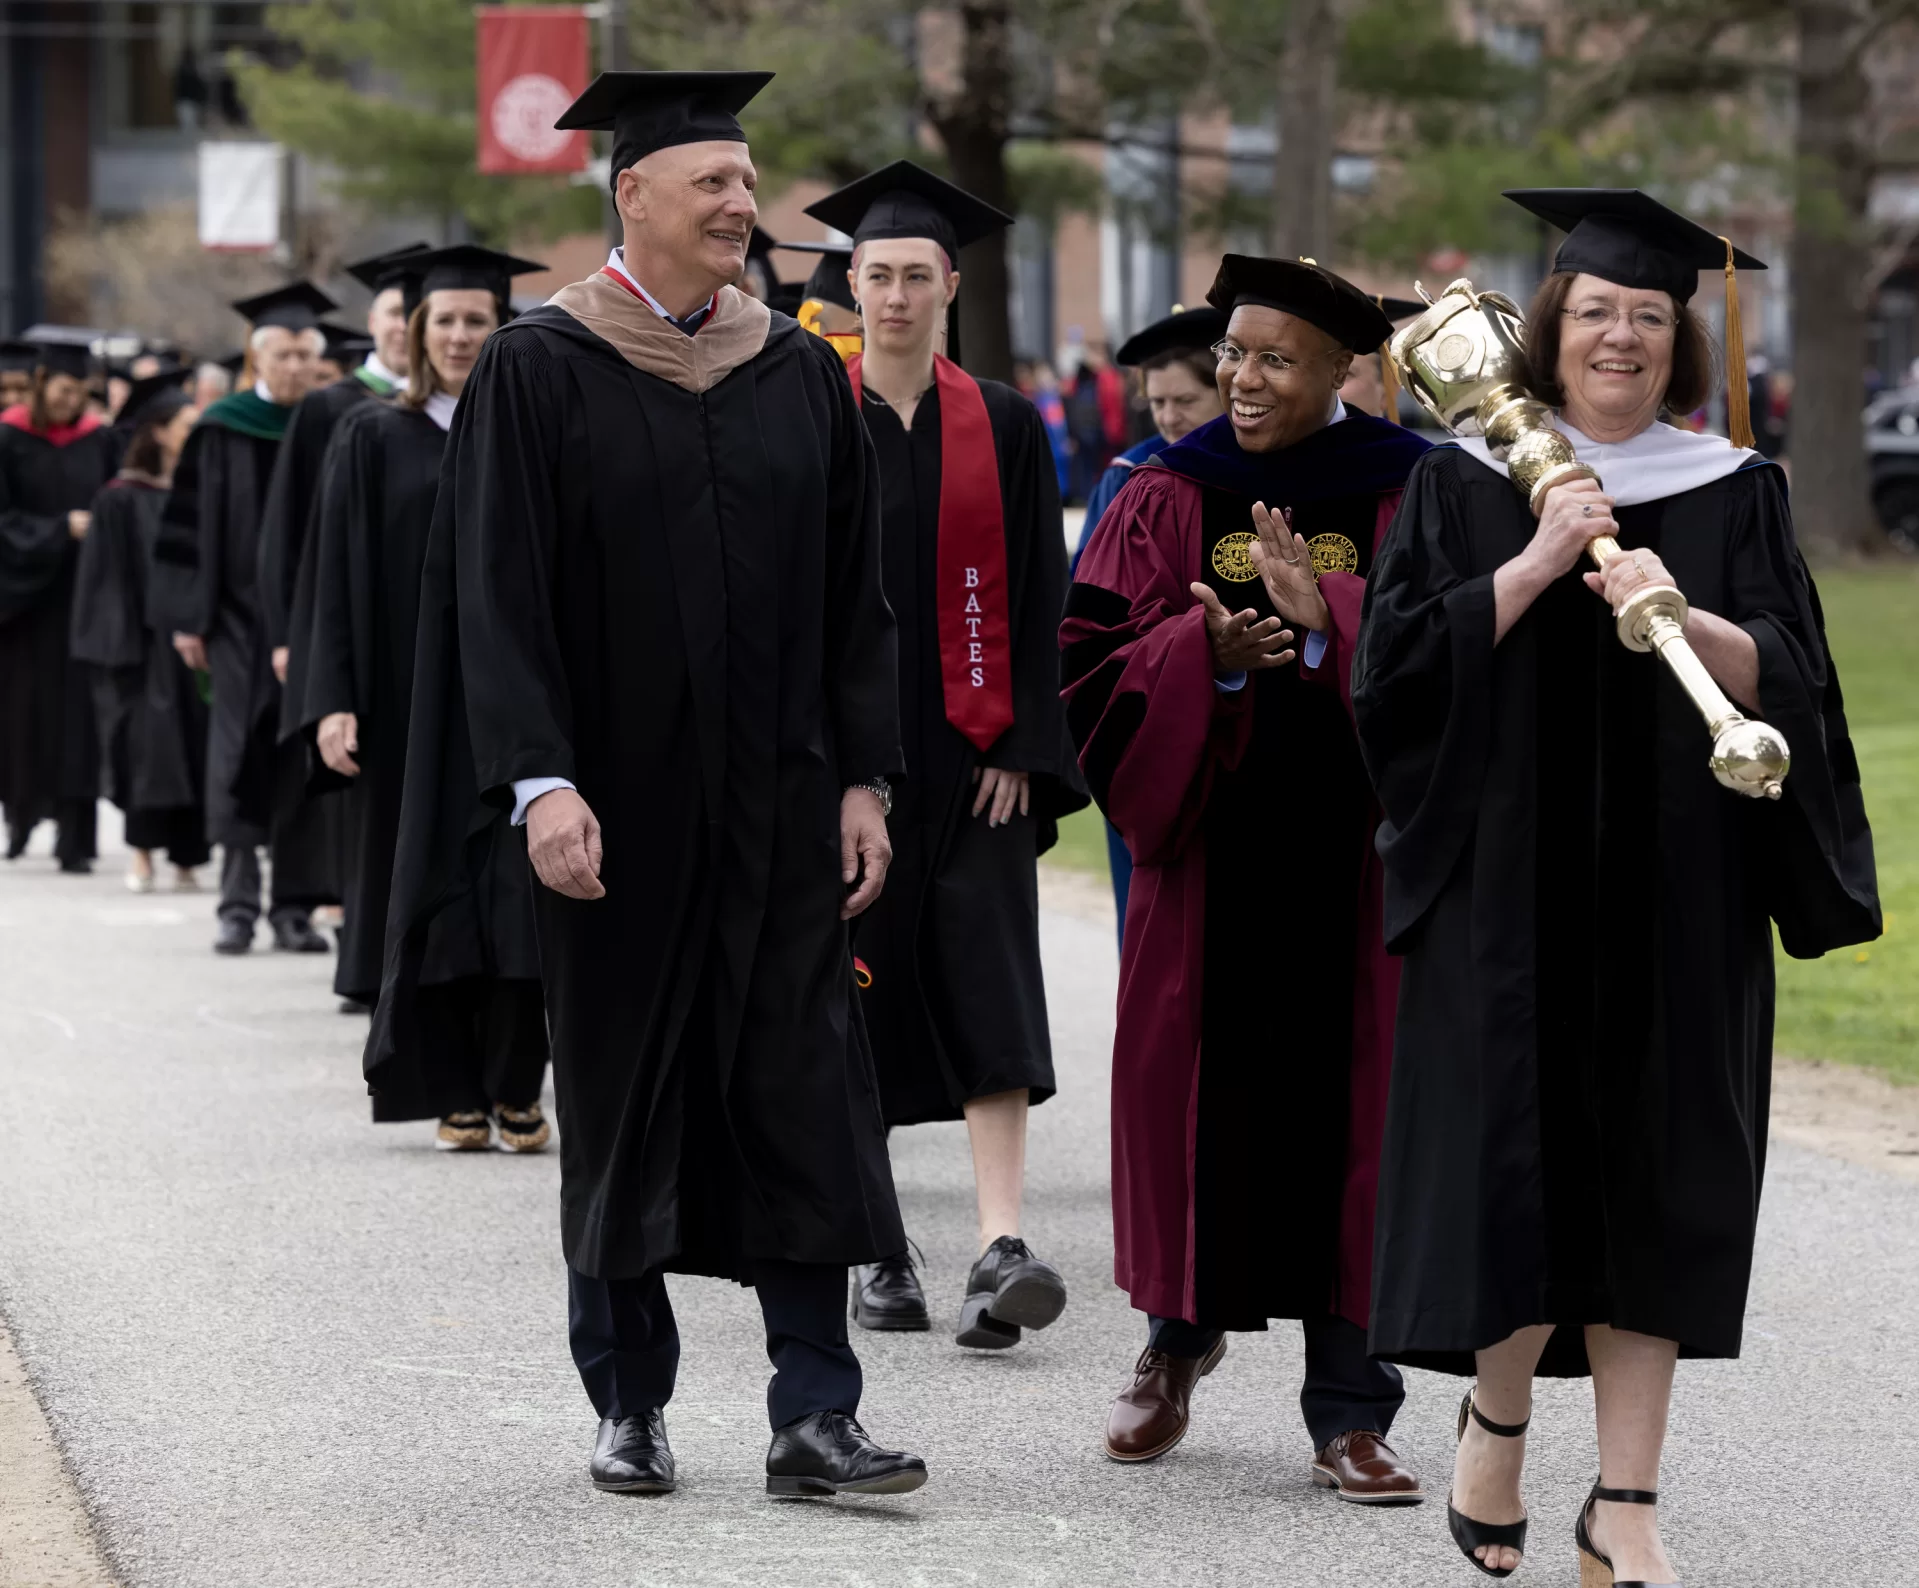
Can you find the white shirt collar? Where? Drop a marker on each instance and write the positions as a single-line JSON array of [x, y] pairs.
[[373, 365], [1339, 412], [439, 408], [616, 262], [1660, 461], [265, 396]]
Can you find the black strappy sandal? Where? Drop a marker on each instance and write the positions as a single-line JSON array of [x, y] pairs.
[[1470, 1535], [1595, 1570]]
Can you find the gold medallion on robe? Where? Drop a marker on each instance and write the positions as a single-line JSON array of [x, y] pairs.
[[1233, 560], [1333, 553]]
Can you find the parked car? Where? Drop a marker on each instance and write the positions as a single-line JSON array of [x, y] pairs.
[[1892, 450]]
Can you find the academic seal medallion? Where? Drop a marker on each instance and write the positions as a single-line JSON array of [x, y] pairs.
[[1333, 554], [1232, 558]]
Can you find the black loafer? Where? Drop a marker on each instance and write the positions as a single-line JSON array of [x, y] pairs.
[[298, 937], [631, 1455], [1009, 1290], [829, 1453], [887, 1295], [236, 936]]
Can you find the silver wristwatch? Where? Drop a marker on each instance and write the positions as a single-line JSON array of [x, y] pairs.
[[881, 789]]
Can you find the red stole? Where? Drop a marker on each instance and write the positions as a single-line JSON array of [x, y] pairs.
[[970, 586], [20, 417]]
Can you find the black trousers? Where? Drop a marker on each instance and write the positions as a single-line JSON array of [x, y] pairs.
[[1344, 1389], [240, 888], [627, 1345]]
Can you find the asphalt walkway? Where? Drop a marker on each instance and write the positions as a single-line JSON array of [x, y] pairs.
[[282, 1346]]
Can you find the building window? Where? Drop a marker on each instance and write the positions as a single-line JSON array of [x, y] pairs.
[[165, 65]]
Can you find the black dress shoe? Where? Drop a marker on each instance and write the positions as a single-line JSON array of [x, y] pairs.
[[887, 1295], [296, 936], [17, 840], [74, 867], [1008, 1290], [631, 1455], [236, 936], [829, 1453]]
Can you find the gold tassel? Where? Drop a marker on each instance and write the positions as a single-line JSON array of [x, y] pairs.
[[1738, 398], [1391, 368]]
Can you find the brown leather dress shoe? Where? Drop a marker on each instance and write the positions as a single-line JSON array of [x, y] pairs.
[[1150, 1415], [1361, 1467]]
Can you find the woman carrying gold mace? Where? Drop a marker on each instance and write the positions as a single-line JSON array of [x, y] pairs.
[[1577, 1128]]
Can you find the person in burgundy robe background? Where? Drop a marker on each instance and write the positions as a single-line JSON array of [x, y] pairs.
[[1206, 646]]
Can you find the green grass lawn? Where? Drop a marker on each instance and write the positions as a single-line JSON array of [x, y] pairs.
[[1858, 1005], [1862, 1005]]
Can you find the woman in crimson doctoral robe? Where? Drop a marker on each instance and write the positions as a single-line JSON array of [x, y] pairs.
[[54, 457], [479, 1058], [152, 721], [974, 562], [1576, 1140], [1246, 1119]]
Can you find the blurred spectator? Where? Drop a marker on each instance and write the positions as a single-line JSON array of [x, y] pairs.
[[1096, 418], [1045, 396], [210, 383]]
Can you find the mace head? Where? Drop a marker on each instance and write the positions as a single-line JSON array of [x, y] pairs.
[[1751, 758]]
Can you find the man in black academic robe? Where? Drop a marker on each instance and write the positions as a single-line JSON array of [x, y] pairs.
[[294, 492], [651, 621], [207, 582], [54, 457], [974, 558]]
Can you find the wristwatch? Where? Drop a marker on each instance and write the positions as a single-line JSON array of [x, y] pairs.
[[880, 789]]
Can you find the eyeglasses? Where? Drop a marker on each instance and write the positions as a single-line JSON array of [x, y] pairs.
[[1649, 323], [1231, 355]]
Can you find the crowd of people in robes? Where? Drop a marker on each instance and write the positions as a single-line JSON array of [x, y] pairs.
[[679, 682]]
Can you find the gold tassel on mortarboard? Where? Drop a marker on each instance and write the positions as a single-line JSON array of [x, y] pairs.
[[1738, 400]]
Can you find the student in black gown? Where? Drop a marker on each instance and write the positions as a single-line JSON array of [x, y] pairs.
[[1576, 1136], [480, 1053], [295, 488], [54, 457], [974, 562], [152, 721], [18, 359], [651, 623], [206, 581]]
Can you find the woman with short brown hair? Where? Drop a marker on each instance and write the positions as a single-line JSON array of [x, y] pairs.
[[1576, 1136]]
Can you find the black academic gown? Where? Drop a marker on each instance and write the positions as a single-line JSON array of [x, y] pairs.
[[368, 543], [957, 1003], [1577, 1125], [206, 572], [151, 720], [49, 754], [672, 599], [293, 494]]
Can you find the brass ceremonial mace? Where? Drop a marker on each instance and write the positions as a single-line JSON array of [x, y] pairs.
[[1461, 361]]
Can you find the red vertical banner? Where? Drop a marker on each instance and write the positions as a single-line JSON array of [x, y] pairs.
[[531, 64]]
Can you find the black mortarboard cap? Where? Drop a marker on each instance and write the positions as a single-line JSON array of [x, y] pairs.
[[1397, 309], [760, 244], [1185, 330], [787, 298], [153, 396], [1629, 238], [63, 349], [468, 265], [346, 345], [1306, 290], [390, 269], [16, 354], [657, 110], [907, 200], [828, 281], [297, 306]]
